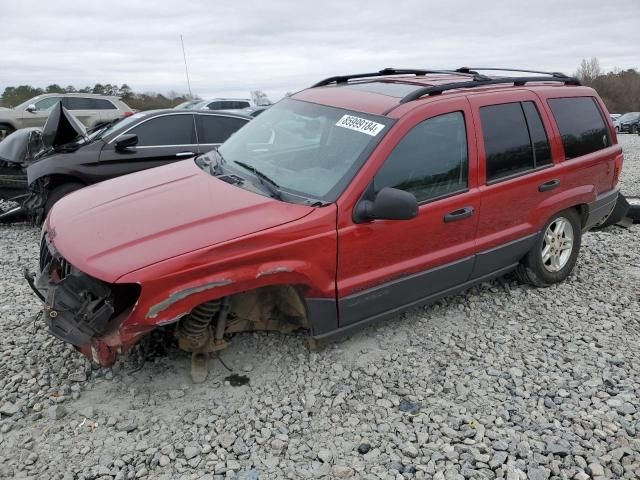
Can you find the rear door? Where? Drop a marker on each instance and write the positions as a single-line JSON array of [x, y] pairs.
[[161, 140], [107, 111], [517, 172], [213, 129]]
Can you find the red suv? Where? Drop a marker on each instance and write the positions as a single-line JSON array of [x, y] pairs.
[[340, 205]]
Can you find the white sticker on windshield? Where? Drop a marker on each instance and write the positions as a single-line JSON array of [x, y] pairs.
[[360, 125]]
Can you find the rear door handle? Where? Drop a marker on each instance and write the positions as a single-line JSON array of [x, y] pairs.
[[460, 214], [185, 154], [550, 185]]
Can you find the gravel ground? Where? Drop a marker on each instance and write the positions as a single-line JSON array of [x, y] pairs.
[[504, 381]]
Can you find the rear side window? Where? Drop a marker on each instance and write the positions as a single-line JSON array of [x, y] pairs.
[[77, 103], [514, 139], [216, 129], [102, 104], [168, 130], [582, 128], [430, 161]]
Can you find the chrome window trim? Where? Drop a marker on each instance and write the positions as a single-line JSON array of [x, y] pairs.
[[167, 146], [195, 126]]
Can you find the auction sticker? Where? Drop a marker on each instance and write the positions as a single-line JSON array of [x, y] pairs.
[[360, 125]]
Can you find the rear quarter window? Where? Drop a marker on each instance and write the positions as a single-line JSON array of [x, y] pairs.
[[581, 124]]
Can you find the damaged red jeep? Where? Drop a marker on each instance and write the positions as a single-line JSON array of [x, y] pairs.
[[341, 205]]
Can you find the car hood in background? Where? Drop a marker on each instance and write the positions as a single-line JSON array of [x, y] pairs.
[[61, 128], [115, 227], [21, 146]]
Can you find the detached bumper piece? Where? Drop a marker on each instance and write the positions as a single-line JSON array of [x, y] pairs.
[[78, 308]]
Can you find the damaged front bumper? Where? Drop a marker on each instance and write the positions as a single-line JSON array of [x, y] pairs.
[[80, 309]]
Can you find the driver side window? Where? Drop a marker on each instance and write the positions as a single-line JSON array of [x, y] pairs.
[[431, 161], [46, 103]]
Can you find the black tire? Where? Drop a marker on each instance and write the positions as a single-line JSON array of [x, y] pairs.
[[634, 129], [634, 209], [57, 193], [617, 129], [534, 271], [5, 130]]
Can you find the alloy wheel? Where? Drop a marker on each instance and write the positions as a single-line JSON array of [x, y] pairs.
[[557, 245]]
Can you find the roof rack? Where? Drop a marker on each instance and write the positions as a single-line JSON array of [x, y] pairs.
[[474, 70], [393, 71], [517, 81]]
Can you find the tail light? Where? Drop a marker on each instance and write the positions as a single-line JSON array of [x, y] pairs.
[[128, 114], [617, 168]]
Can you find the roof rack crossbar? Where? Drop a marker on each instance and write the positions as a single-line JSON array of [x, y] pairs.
[[388, 71], [517, 81], [495, 69]]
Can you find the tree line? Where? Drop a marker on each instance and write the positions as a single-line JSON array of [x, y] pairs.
[[13, 96], [619, 89]]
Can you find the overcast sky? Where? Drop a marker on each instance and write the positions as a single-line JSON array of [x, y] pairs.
[[284, 45]]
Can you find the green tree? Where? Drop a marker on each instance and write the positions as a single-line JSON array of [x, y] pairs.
[[54, 88], [13, 96]]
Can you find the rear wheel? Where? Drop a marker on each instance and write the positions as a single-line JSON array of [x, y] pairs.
[[58, 192], [5, 131], [555, 252]]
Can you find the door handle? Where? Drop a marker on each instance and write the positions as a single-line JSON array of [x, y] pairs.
[[550, 185], [185, 154], [459, 214]]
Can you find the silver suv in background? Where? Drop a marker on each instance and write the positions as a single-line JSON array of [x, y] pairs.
[[227, 104], [90, 109]]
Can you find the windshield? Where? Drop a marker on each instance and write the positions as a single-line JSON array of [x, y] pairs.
[[304, 148], [116, 127]]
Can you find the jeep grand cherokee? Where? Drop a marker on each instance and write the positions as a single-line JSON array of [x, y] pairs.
[[339, 206]]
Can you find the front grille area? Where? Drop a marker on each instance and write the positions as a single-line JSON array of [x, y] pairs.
[[45, 254], [60, 265]]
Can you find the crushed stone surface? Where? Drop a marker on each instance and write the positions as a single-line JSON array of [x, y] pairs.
[[504, 381]]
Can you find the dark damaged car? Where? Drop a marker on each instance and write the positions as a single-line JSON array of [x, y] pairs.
[[74, 158], [339, 206]]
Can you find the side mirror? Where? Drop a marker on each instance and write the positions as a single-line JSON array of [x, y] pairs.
[[126, 141], [31, 108], [389, 204]]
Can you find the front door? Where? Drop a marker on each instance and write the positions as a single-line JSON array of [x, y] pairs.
[[384, 265], [38, 117], [161, 140]]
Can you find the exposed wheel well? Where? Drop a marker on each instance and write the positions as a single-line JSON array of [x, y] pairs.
[[275, 307], [55, 180]]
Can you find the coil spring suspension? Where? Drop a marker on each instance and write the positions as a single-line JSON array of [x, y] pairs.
[[195, 327]]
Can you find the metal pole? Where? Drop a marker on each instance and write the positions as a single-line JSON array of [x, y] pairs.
[[186, 69]]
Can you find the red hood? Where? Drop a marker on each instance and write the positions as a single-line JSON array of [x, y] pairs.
[[115, 227]]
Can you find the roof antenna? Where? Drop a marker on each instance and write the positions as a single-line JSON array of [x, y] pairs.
[[186, 69]]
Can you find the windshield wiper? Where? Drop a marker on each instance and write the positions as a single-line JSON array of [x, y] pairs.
[[269, 184], [212, 160]]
